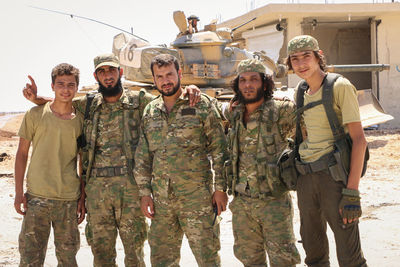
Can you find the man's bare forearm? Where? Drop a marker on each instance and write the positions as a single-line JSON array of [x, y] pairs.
[[41, 100], [19, 173]]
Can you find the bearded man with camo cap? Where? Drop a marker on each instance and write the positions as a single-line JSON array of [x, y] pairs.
[[262, 212], [326, 195]]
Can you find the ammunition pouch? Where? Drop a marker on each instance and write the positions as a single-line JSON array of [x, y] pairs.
[[287, 168], [278, 188], [269, 175], [342, 155]]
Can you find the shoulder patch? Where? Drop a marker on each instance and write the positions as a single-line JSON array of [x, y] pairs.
[[188, 111]]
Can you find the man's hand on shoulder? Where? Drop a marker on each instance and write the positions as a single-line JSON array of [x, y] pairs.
[[233, 104], [193, 92], [30, 90], [30, 93]]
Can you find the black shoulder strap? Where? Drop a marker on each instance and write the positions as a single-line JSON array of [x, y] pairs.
[[300, 94], [299, 110], [89, 101], [328, 102]]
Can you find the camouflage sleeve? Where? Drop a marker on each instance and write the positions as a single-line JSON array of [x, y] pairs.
[[79, 104], [143, 162], [144, 99], [217, 146], [287, 119]]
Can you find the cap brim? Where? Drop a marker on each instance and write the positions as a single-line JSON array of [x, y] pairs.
[[303, 50], [109, 63]]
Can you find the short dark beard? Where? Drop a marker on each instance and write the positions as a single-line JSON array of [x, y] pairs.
[[111, 91], [258, 97], [175, 89]]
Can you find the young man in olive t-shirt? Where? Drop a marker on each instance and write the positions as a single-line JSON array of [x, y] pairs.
[[54, 194], [322, 197]]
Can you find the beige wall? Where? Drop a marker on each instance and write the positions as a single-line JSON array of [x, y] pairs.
[[389, 53], [293, 29]]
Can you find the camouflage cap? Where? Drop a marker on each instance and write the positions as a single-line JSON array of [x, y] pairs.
[[250, 65], [302, 43], [106, 60]]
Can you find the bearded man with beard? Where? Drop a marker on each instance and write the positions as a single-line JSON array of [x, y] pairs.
[[111, 129], [174, 173], [262, 213]]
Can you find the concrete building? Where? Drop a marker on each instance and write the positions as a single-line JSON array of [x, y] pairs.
[[347, 33]]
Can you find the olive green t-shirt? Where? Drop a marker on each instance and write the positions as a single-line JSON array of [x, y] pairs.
[[320, 139], [52, 169]]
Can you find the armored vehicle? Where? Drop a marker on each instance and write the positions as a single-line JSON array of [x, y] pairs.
[[208, 58]]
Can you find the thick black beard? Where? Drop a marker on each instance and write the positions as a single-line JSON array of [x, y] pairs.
[[110, 91], [258, 97], [178, 85]]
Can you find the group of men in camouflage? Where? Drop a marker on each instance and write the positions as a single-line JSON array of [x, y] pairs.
[[167, 157]]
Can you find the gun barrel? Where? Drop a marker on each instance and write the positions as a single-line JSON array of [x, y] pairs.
[[241, 25], [357, 67]]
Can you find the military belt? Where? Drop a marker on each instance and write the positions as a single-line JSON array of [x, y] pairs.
[[260, 195], [321, 164], [109, 171]]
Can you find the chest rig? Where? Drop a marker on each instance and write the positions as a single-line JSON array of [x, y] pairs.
[[131, 124], [270, 143]]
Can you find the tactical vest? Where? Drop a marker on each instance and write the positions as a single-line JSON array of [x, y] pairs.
[[337, 162], [271, 142], [131, 117]]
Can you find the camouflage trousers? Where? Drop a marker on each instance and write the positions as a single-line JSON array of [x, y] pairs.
[[113, 207], [42, 213], [264, 225], [191, 215]]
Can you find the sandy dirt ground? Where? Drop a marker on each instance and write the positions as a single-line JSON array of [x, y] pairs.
[[379, 225]]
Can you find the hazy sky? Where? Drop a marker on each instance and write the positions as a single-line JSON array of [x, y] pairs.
[[34, 41]]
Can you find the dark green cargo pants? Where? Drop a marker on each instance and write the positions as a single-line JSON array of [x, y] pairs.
[[318, 200]]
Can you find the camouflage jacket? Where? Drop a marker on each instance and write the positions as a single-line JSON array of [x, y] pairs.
[[133, 103], [172, 155], [276, 122]]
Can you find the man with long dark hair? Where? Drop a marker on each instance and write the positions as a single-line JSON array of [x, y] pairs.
[[262, 212]]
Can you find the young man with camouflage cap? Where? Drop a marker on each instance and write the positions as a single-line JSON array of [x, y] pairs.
[[322, 197], [262, 212], [174, 173]]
